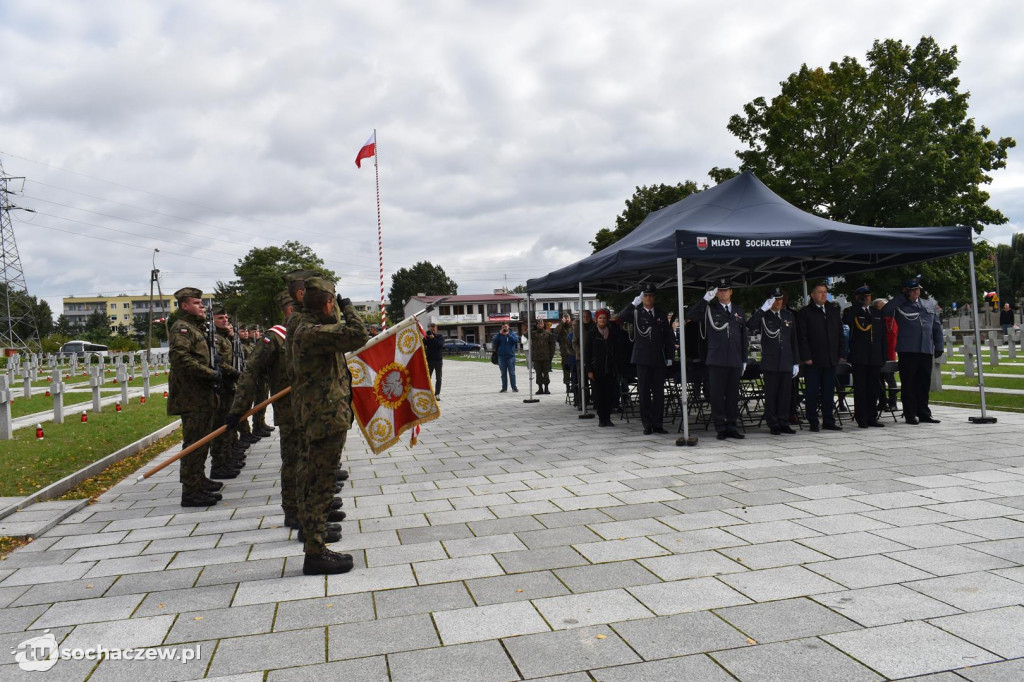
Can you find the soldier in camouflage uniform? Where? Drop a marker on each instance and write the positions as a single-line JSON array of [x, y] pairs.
[[260, 428], [191, 395], [248, 342], [542, 350], [565, 349], [323, 401], [225, 463], [297, 290]]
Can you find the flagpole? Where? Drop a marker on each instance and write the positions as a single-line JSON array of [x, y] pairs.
[[380, 233]]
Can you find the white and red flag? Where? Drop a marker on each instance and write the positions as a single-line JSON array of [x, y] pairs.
[[369, 149], [391, 389]]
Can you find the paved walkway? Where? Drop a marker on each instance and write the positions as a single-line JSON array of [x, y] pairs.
[[518, 542]]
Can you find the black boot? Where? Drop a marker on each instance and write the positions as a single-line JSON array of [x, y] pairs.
[[336, 515], [326, 563], [337, 503], [342, 475], [198, 499], [292, 522], [211, 486], [224, 472]]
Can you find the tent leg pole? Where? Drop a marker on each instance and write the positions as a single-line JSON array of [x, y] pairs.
[[529, 353], [581, 364], [684, 407], [984, 418]]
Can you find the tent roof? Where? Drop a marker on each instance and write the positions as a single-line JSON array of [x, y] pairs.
[[742, 230]]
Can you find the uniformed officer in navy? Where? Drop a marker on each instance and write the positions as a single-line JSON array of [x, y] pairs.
[[867, 356], [918, 341], [653, 348], [780, 358], [723, 326]]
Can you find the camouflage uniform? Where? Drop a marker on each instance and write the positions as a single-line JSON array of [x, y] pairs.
[[267, 364], [542, 350], [190, 394], [220, 449], [566, 351], [322, 390], [263, 390], [243, 426]]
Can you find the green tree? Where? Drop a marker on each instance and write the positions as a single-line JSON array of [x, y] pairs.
[[25, 310], [422, 278], [1011, 270], [63, 327], [97, 328], [645, 200], [260, 277], [886, 144]]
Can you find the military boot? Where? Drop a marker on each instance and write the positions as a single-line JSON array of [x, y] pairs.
[[211, 486], [264, 431], [292, 521], [336, 515], [224, 472], [332, 533], [199, 499], [326, 563], [337, 503], [342, 474]]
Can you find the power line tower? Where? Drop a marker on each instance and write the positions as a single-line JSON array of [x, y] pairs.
[[17, 323]]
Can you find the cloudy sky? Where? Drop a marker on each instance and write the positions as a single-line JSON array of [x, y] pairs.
[[508, 132]]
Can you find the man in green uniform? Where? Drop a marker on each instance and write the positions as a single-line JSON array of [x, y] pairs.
[[565, 349], [542, 349], [260, 428], [248, 342], [191, 395], [323, 399], [225, 462]]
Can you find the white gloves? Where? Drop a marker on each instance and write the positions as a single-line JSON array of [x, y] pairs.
[[743, 370], [710, 295], [796, 370], [636, 301], [768, 303], [668, 363]]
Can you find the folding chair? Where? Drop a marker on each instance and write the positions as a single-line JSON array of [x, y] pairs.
[[844, 384], [890, 394]]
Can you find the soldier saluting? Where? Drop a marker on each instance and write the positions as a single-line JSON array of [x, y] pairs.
[[723, 326], [654, 346], [191, 394], [780, 358], [322, 391]]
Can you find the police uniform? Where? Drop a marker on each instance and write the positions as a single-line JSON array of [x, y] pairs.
[[725, 331], [867, 356], [653, 349], [780, 355], [191, 395], [322, 399], [542, 350], [918, 342]]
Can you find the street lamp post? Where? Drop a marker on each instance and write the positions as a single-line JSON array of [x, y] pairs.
[[153, 274]]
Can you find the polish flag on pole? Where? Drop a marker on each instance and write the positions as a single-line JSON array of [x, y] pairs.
[[368, 150]]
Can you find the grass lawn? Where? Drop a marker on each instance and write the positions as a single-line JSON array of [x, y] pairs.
[[44, 403], [29, 464], [993, 401]]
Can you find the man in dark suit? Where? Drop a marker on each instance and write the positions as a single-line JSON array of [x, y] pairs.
[[822, 348], [867, 355], [724, 327], [780, 358], [653, 348]]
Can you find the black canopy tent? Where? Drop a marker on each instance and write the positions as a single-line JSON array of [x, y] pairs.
[[742, 230]]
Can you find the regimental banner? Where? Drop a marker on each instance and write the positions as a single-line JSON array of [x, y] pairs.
[[391, 389]]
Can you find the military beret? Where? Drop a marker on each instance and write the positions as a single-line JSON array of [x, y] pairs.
[[300, 275], [283, 300], [219, 310], [860, 291], [912, 284], [187, 292], [319, 284]]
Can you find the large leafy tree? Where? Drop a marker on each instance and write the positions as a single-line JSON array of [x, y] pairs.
[[1010, 258], [260, 277], [422, 278], [886, 143], [644, 200]]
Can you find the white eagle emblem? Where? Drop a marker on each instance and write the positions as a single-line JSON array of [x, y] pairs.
[[392, 386]]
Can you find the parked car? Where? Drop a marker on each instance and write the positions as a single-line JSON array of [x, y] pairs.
[[457, 346]]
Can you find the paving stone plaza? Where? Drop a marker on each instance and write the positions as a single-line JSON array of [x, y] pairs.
[[516, 541]]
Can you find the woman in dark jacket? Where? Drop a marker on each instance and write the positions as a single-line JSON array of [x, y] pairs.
[[604, 348]]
